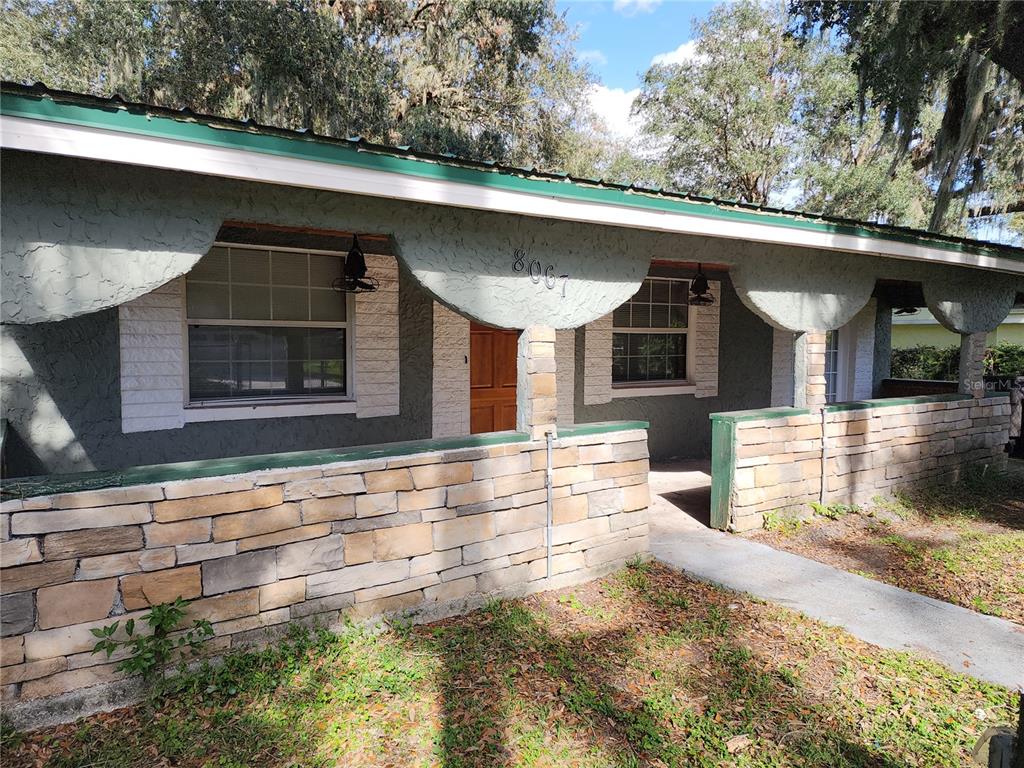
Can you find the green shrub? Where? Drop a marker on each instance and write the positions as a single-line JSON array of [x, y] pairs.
[[942, 364], [1005, 359], [926, 362]]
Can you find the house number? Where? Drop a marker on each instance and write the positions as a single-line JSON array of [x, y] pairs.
[[538, 271]]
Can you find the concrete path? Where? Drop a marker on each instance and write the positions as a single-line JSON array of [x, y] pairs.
[[984, 647]]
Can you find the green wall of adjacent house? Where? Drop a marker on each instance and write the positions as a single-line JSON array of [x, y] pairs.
[[909, 336]]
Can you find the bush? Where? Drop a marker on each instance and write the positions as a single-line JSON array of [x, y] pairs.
[[926, 362], [1005, 359], [943, 364]]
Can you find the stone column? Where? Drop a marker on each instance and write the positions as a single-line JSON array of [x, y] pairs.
[[814, 371], [536, 392], [972, 364]]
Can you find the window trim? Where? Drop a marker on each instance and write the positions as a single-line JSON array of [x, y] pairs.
[[687, 386], [270, 406]]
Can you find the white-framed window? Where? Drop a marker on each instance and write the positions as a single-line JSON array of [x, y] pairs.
[[651, 338], [832, 366], [264, 325]]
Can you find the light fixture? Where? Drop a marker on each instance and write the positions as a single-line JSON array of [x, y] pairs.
[[904, 311], [700, 291], [353, 278]]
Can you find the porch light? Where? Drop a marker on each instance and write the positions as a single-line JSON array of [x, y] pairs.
[[353, 277], [700, 292]]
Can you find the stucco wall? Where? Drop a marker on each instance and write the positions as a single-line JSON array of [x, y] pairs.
[[680, 424], [61, 394]]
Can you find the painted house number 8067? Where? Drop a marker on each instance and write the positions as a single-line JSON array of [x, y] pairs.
[[538, 271]]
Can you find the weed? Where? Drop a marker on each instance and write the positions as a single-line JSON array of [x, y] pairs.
[[149, 653], [834, 511], [783, 522], [10, 737]]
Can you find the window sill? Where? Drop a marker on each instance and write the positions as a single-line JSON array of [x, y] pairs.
[[238, 412], [651, 390]]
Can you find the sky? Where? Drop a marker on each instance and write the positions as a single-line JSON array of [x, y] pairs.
[[620, 39]]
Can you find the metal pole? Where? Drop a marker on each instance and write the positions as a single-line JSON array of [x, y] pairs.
[[1018, 752], [824, 458], [549, 437]]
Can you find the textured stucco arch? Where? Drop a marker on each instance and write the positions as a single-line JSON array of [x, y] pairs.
[[802, 290], [970, 301], [470, 261], [81, 239], [82, 236]]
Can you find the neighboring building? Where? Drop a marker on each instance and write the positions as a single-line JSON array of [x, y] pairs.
[[922, 329], [205, 395]]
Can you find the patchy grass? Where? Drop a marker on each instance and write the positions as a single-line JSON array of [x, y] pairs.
[[643, 668], [963, 543]]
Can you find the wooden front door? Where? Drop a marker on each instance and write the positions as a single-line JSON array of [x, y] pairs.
[[492, 379]]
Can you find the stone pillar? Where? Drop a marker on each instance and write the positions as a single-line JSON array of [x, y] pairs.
[[536, 391], [814, 369], [972, 364]]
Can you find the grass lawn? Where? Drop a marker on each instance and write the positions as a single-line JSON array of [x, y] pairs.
[[963, 544], [644, 668]]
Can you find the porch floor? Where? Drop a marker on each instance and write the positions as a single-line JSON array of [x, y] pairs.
[[681, 486], [983, 647]]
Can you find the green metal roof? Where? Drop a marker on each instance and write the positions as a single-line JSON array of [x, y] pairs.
[[114, 114]]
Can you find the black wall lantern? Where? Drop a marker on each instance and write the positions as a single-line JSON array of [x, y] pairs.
[[353, 277], [700, 291]]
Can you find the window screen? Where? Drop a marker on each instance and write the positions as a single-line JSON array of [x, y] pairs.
[[649, 339], [266, 323]]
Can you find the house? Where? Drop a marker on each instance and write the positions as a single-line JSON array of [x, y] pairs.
[[920, 328], [288, 377]]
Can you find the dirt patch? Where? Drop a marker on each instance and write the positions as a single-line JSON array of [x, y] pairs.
[[963, 544]]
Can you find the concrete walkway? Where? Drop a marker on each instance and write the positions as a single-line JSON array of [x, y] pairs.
[[984, 647]]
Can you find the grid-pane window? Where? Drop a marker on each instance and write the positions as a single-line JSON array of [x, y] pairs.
[[650, 333], [266, 323], [831, 366]]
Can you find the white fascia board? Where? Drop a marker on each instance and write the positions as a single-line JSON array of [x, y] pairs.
[[156, 152]]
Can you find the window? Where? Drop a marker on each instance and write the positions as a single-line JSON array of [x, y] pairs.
[[650, 333], [831, 366], [265, 323]]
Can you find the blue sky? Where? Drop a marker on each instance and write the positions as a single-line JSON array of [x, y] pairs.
[[620, 39]]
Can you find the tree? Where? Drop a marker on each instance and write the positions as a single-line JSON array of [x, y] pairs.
[[725, 120], [845, 164], [488, 79], [968, 57]]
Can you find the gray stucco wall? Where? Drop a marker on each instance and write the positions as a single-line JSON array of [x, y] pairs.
[[883, 346], [64, 406], [680, 424]]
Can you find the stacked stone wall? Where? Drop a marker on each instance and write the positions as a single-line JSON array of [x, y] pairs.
[[429, 533], [867, 452]]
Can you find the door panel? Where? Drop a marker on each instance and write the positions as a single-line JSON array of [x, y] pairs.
[[492, 379]]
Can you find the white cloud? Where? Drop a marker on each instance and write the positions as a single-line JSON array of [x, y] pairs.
[[612, 105], [595, 57], [633, 7], [684, 53]]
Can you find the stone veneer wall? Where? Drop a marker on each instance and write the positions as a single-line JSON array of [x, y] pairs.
[[431, 532], [870, 449]]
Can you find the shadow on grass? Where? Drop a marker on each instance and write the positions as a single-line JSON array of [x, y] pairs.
[[992, 498], [650, 669], [508, 672]]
